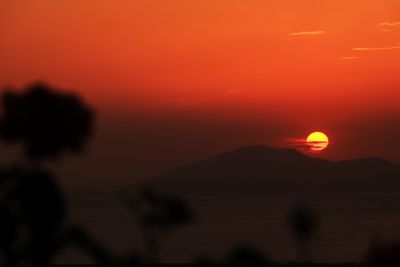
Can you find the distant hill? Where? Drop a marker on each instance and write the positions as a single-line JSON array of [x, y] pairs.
[[245, 195], [258, 170]]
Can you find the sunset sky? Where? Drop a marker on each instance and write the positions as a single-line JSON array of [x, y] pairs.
[[180, 80]]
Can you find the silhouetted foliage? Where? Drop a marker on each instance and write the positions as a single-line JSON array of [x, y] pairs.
[[79, 238], [46, 122], [383, 255], [33, 211], [157, 215], [245, 255], [32, 219], [164, 211], [33, 208], [303, 223]]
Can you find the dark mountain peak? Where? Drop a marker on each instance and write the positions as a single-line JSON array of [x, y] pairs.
[[261, 169]]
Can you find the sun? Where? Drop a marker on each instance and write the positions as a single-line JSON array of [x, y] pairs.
[[317, 141]]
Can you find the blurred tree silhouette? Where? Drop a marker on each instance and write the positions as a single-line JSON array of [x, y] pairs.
[[44, 121], [158, 215], [32, 207], [303, 223], [33, 202]]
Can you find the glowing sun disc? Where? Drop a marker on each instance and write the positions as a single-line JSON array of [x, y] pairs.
[[317, 141]]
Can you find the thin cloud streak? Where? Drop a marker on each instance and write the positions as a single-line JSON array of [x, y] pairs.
[[310, 33], [302, 145], [376, 48], [348, 58], [389, 24]]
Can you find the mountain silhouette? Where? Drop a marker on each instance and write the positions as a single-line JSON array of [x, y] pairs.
[[260, 169]]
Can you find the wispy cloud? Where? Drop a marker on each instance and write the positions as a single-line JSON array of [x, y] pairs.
[[301, 144], [389, 24], [376, 48], [307, 33], [348, 58]]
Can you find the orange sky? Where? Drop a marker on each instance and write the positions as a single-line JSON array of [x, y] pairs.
[[329, 65]]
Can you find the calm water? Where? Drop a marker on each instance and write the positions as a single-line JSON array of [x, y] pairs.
[[347, 224]]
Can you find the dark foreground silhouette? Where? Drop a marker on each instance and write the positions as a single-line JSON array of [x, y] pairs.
[[34, 225], [47, 123], [33, 212], [303, 223]]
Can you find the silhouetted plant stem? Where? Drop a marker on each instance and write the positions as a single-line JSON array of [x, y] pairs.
[[303, 224]]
